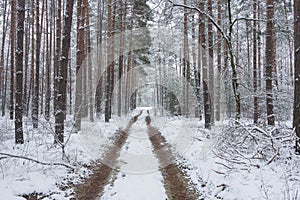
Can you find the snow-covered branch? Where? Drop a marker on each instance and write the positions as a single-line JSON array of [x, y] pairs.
[[37, 161], [213, 21]]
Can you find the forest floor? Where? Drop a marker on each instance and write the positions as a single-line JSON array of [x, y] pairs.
[[171, 158]]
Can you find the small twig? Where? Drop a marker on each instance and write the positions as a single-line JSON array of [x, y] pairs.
[[219, 163], [197, 139], [219, 172], [275, 155], [37, 161], [3, 157]]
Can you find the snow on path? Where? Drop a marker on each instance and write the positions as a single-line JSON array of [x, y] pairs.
[[139, 177]]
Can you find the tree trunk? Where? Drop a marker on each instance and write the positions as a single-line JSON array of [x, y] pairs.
[[297, 73], [99, 71], [57, 52], [19, 73], [259, 44], [26, 63], [60, 113], [211, 87], [186, 63], [31, 84], [270, 61], [219, 64], [121, 57], [207, 117], [235, 82], [109, 64], [4, 29], [12, 59], [36, 96], [79, 61], [48, 65], [255, 102], [85, 93], [89, 65], [198, 77]]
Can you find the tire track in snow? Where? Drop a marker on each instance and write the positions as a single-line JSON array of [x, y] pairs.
[[93, 186], [177, 183]]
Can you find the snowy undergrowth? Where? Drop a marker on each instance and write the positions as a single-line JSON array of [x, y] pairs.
[[243, 162], [19, 176]]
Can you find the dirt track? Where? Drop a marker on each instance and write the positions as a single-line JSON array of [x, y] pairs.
[[177, 184]]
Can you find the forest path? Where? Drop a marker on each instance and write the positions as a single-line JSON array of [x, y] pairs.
[[139, 176], [139, 165], [93, 186]]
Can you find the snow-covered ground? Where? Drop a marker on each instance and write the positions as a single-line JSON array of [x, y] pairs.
[[19, 176], [198, 150]]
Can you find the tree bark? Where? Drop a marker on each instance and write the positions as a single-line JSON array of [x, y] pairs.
[[79, 61], [12, 59], [297, 73], [219, 64], [26, 62], [255, 100], [57, 49], [48, 65], [36, 96], [270, 61], [4, 29], [60, 113], [198, 77], [121, 57], [207, 117], [186, 63], [90, 68], [211, 87], [19, 73], [109, 64]]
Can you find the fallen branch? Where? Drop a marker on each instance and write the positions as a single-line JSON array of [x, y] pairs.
[[37, 161]]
